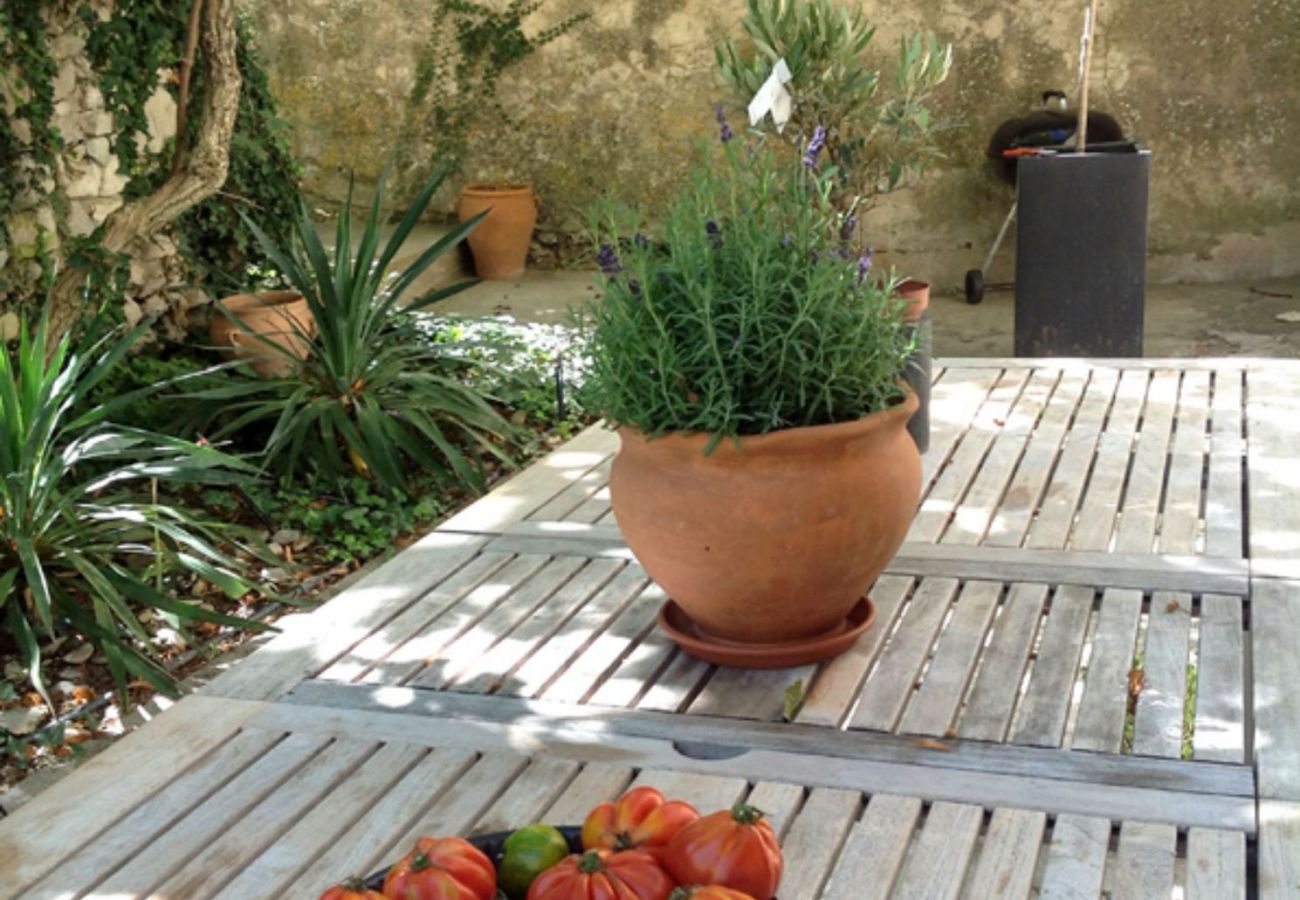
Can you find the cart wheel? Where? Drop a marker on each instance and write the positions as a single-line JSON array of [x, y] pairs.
[[974, 285]]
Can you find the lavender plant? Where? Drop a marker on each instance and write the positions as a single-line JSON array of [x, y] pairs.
[[746, 311]]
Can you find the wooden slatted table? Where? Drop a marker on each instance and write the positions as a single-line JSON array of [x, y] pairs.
[[1079, 682]]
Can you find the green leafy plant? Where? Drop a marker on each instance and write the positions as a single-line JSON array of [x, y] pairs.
[[457, 73], [748, 312], [370, 393], [86, 538], [880, 132]]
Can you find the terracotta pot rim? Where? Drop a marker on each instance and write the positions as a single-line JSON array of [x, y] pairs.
[[912, 284], [236, 303], [782, 440], [488, 189]]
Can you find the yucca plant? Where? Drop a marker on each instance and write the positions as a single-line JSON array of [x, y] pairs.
[[87, 536], [372, 394]]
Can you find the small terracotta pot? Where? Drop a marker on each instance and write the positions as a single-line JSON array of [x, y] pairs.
[[500, 242], [278, 316], [777, 541], [917, 295]]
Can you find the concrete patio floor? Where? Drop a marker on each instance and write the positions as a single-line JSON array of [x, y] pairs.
[[1228, 319]]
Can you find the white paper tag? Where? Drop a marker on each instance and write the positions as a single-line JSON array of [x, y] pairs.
[[773, 98]]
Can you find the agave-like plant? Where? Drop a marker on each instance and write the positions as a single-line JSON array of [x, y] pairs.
[[85, 540], [371, 394]]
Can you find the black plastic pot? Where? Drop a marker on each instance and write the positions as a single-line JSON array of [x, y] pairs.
[[493, 847]]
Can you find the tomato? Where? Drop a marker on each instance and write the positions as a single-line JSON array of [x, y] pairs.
[[352, 889], [709, 892], [641, 819], [734, 848], [604, 875], [529, 852], [442, 869]]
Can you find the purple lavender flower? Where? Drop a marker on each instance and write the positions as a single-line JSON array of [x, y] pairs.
[[786, 240], [607, 259], [864, 266], [634, 287], [714, 232], [846, 230], [641, 241], [815, 147], [725, 133], [842, 253]]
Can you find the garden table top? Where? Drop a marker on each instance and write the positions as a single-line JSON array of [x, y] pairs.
[[1079, 681]]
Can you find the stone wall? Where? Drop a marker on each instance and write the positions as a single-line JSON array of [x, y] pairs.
[[87, 184], [614, 105]]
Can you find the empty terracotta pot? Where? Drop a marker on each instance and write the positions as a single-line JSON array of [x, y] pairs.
[[778, 540], [500, 242], [280, 316], [917, 295]]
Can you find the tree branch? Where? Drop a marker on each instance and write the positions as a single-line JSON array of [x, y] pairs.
[[183, 93], [203, 173]]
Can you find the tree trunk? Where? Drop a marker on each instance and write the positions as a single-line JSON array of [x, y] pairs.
[[202, 175]]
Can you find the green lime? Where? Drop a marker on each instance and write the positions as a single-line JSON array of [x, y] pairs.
[[529, 852]]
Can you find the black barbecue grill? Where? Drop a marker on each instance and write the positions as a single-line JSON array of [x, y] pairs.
[[1044, 131]]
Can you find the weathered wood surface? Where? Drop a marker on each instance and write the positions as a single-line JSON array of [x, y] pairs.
[[282, 811]]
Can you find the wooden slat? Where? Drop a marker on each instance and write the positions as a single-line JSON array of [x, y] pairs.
[[383, 821], [1141, 509], [1220, 728], [1076, 859], [975, 513], [1279, 850], [1158, 722], [836, 686], [1009, 856], [748, 693], [677, 685], [875, 850], [1102, 710], [1180, 522], [1096, 520], [408, 622], [1216, 864], [936, 867], [462, 657], [551, 657], [424, 648], [813, 841], [951, 401], [1273, 426], [42, 834], [959, 363], [1223, 501], [779, 801], [934, 708], [636, 672], [328, 822], [1275, 631], [1020, 502], [529, 795], [1144, 863], [595, 783], [992, 702], [889, 687], [939, 503], [492, 669], [154, 815], [172, 851], [1041, 719], [705, 792], [466, 800], [563, 504], [514, 499], [234, 847], [309, 643], [585, 673], [1051, 529]]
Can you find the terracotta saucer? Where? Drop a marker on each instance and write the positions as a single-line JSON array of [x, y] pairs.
[[781, 655]]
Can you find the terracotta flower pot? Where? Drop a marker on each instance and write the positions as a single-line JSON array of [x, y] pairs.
[[279, 316], [917, 295], [776, 542], [500, 242]]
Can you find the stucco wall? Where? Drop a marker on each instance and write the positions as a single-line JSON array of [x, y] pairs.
[[1211, 87]]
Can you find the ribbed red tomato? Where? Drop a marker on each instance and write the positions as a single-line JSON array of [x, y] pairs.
[[639, 820], [352, 889], [442, 869], [603, 875], [734, 848], [708, 892]]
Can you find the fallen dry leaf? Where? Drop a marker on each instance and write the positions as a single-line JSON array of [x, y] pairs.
[[1136, 679], [1172, 606], [932, 744]]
